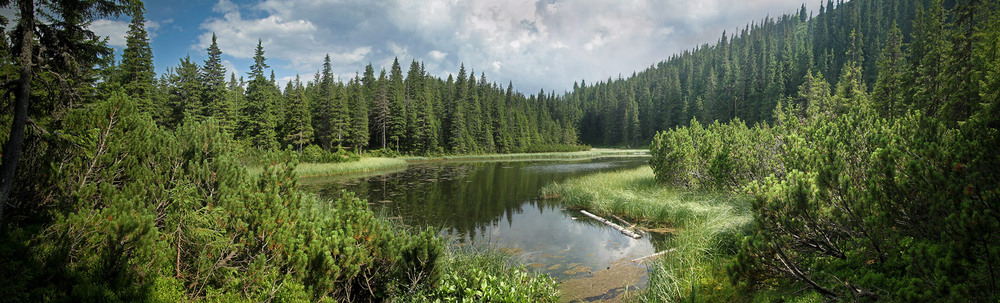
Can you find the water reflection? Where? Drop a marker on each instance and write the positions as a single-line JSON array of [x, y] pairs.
[[496, 204]]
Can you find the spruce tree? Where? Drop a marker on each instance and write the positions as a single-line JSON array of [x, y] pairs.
[[298, 123], [380, 111], [213, 80], [136, 70], [359, 114], [258, 124], [397, 107], [184, 93], [888, 93]]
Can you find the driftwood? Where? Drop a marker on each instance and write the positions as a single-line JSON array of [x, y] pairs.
[[613, 225], [652, 256]]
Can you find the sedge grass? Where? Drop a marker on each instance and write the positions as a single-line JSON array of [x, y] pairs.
[[707, 226], [364, 165]]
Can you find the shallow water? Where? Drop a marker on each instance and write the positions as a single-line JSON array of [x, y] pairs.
[[496, 204]]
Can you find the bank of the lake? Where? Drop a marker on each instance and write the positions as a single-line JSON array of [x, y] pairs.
[[376, 165], [592, 153], [706, 227]]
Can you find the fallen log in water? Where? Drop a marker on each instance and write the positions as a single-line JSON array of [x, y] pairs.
[[613, 225], [652, 256]]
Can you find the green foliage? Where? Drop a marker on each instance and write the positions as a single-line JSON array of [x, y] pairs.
[[258, 122], [134, 212], [486, 276], [706, 227], [315, 154], [851, 204], [136, 70]]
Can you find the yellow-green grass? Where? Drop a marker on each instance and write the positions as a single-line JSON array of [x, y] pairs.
[[593, 153], [708, 228], [364, 165]]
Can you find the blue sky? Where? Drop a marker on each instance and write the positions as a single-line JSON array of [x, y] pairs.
[[536, 44]]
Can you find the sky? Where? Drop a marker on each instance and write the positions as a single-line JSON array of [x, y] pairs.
[[534, 44]]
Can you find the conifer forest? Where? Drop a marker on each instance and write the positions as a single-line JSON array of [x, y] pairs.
[[863, 134]]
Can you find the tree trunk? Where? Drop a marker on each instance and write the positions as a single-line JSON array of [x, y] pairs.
[[12, 149]]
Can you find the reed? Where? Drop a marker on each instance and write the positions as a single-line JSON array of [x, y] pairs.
[[708, 227], [364, 165]]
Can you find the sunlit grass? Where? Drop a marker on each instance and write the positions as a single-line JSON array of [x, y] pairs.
[[707, 226], [361, 166]]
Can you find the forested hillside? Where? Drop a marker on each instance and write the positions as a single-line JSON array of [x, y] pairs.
[[745, 74], [870, 181]]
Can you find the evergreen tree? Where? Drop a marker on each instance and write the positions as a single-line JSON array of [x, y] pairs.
[[136, 70], [397, 106], [928, 51], [380, 111], [184, 93], [258, 123], [298, 122], [359, 114], [322, 107], [213, 80], [888, 92]]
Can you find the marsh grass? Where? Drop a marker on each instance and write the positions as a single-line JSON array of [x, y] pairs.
[[364, 165], [708, 228]]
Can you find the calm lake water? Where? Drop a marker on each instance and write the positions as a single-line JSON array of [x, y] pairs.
[[496, 204]]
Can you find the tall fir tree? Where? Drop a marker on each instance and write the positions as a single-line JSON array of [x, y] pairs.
[[359, 114], [397, 106], [258, 125], [888, 91], [298, 122], [380, 111], [136, 70], [213, 79], [184, 98]]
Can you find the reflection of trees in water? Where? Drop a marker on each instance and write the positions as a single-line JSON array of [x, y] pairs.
[[464, 199]]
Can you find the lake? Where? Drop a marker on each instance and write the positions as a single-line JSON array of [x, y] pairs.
[[496, 204]]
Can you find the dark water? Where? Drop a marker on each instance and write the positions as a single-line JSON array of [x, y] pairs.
[[496, 204]]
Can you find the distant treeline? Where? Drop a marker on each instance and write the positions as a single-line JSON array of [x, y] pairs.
[[418, 114]]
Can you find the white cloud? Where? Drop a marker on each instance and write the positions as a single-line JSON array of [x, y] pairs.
[[437, 55], [231, 68], [534, 43], [295, 40], [116, 30]]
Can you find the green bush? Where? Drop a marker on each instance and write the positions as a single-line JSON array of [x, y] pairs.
[[853, 205], [133, 212], [316, 154]]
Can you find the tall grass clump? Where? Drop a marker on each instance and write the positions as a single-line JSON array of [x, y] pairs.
[[708, 228], [361, 166]]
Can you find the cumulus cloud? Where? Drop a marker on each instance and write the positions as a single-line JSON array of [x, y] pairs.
[[534, 43], [116, 30], [298, 41]]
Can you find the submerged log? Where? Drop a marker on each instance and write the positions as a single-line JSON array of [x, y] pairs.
[[613, 225], [652, 256]]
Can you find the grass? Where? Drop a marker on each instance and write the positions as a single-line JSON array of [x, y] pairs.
[[593, 153], [708, 227], [363, 165]]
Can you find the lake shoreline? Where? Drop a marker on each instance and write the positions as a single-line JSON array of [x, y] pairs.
[[377, 165]]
